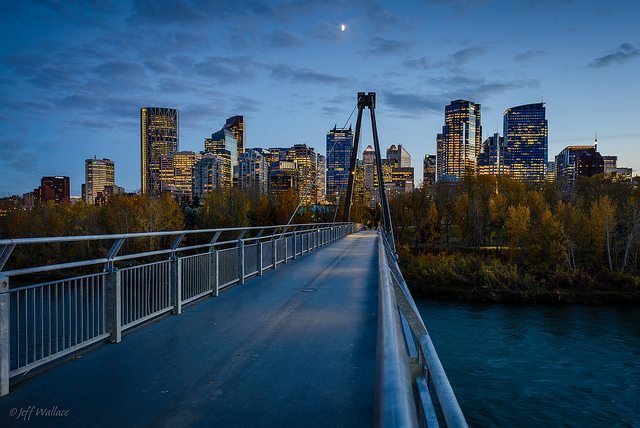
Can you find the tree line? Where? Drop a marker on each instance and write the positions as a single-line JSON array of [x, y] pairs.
[[596, 227]]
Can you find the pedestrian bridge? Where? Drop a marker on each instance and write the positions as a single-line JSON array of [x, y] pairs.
[[306, 325]]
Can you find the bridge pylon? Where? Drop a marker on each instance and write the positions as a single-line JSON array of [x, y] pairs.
[[368, 100]]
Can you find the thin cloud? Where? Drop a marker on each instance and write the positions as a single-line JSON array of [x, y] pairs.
[[380, 46], [527, 55], [624, 53], [283, 39], [305, 75]]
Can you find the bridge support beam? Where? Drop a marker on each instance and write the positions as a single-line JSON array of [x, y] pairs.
[[5, 319]]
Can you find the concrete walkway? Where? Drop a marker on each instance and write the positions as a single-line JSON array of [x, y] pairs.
[[295, 347]]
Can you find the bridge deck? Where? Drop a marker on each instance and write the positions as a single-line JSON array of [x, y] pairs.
[[295, 347]]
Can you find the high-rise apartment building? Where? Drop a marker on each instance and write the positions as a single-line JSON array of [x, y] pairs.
[[225, 146], [525, 131], [158, 136], [459, 144], [491, 160], [283, 177], [339, 148], [99, 174], [207, 175], [429, 170], [176, 173], [253, 172]]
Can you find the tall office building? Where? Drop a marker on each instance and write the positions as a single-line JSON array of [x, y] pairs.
[[322, 179], [339, 148], [158, 136], [236, 125], [577, 161], [253, 173], [306, 161], [526, 140], [99, 174], [460, 141], [400, 155], [369, 176], [429, 170], [54, 189], [225, 146], [176, 173], [491, 160], [207, 175]]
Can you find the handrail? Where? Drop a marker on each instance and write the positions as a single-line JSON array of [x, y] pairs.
[[7, 246], [394, 402], [393, 284]]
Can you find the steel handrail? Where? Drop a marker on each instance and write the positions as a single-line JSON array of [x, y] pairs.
[[113, 257], [434, 370]]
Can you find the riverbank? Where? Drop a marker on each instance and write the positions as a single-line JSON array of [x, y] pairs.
[[486, 278]]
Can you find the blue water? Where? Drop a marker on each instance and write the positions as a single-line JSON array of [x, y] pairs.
[[540, 366]]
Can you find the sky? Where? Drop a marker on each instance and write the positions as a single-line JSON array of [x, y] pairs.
[[74, 74]]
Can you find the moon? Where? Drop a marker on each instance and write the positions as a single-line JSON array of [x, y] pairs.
[[343, 27]]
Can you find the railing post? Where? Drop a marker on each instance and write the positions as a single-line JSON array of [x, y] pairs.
[[241, 261], [274, 251], [176, 284], [114, 305], [213, 270], [295, 245], [259, 248], [5, 306], [217, 274], [286, 248]]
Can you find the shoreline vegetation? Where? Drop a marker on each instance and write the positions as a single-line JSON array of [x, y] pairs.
[[471, 277], [494, 239]]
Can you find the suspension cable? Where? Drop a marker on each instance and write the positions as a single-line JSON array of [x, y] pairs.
[[310, 186]]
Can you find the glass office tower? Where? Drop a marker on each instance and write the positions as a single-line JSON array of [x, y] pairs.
[[526, 140], [339, 148]]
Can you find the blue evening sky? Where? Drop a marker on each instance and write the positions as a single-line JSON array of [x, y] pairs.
[[74, 74]]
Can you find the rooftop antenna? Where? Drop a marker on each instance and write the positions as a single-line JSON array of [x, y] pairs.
[[596, 142]]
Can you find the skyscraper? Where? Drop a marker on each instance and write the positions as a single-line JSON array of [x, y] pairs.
[[98, 175], [236, 125], [577, 161], [526, 141], [400, 155], [461, 138], [158, 136], [491, 160], [282, 177], [339, 148], [322, 179], [225, 146], [176, 173], [306, 161], [429, 170]]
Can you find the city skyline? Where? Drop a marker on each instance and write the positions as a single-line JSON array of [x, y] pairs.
[[75, 76]]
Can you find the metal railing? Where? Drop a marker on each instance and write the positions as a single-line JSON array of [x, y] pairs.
[[45, 321], [408, 368]]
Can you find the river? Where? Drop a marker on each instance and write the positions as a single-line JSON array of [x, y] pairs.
[[540, 366]]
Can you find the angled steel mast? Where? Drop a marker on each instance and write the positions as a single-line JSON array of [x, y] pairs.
[[368, 100]]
